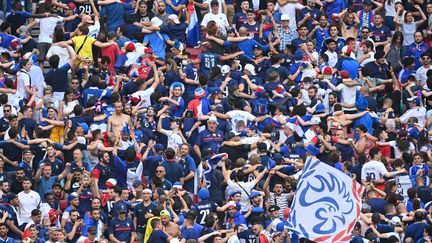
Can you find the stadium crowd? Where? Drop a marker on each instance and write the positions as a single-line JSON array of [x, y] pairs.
[[191, 121]]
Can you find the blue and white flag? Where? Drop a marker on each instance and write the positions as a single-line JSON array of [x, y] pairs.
[[403, 183], [193, 30], [332, 201]]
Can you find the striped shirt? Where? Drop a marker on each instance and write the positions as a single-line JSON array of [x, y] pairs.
[[280, 201]]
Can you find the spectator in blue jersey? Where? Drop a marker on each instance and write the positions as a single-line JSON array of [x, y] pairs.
[[174, 171], [408, 70], [92, 220], [380, 33], [296, 69], [102, 171], [189, 231], [303, 36], [177, 106], [333, 35], [209, 139], [189, 167], [204, 207], [419, 168], [309, 15], [73, 201], [240, 17], [92, 90], [158, 234], [209, 60], [320, 32], [159, 181], [121, 228], [25, 164], [59, 73], [347, 63], [417, 48], [4, 234], [251, 25], [143, 212], [74, 226]]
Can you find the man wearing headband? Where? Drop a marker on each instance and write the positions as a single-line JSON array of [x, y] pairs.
[[142, 213]]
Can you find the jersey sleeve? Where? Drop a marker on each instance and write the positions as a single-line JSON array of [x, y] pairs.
[[111, 227]]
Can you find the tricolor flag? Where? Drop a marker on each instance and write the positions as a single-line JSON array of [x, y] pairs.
[[193, 30], [332, 201]]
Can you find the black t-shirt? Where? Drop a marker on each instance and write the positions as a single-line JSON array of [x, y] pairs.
[[236, 152], [138, 17]]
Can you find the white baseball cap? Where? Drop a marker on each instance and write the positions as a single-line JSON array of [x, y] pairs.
[[155, 21], [249, 67], [225, 69]]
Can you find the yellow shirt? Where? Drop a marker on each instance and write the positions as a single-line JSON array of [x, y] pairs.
[[86, 50], [56, 134]]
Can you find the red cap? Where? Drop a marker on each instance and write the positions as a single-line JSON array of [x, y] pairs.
[[130, 47], [345, 74], [328, 71], [148, 50], [72, 6]]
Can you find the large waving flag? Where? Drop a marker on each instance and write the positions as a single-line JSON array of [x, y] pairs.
[[193, 30], [332, 201]]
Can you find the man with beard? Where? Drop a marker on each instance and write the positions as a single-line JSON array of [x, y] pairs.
[[5, 189], [331, 52], [421, 73], [93, 220], [118, 120], [171, 228], [332, 100], [143, 212], [73, 200], [277, 197], [161, 13], [73, 227], [101, 173]]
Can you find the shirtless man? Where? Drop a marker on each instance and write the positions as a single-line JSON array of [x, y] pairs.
[[171, 228], [117, 121]]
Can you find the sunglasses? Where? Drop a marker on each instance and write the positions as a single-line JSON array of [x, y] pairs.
[[75, 83], [159, 171], [6, 110], [365, 32]]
